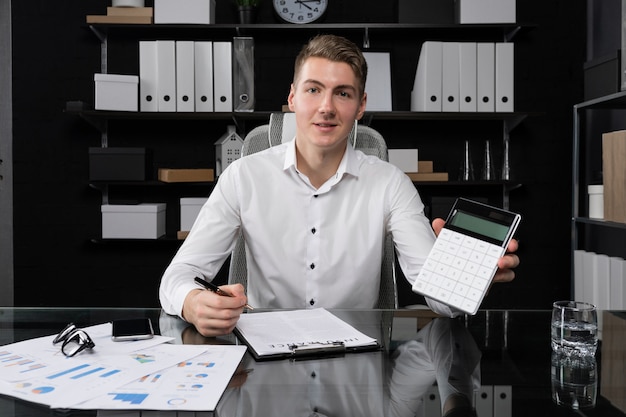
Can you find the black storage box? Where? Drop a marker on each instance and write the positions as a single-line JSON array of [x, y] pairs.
[[602, 76], [118, 164]]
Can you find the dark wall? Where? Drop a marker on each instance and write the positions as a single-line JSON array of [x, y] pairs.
[[57, 213]]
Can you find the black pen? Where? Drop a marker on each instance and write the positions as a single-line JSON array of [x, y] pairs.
[[217, 290]]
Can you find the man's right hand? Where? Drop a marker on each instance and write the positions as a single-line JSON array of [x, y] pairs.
[[213, 314]]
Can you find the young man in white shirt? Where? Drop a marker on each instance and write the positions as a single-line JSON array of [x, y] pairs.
[[314, 212]]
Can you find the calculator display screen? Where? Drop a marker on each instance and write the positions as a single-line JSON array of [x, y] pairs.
[[480, 225]]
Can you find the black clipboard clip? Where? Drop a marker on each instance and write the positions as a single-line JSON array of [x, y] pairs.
[[312, 350]]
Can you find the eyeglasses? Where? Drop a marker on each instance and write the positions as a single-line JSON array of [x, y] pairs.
[[74, 340]]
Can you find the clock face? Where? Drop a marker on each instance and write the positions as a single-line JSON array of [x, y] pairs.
[[300, 11]]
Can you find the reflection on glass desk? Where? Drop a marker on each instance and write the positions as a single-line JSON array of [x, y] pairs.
[[499, 361]]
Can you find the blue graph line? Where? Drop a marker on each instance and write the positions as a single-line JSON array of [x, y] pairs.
[[92, 371], [68, 371]]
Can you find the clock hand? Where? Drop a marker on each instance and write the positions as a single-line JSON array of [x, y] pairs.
[[303, 4]]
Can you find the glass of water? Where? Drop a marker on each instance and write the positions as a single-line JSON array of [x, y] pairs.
[[574, 381], [574, 328]]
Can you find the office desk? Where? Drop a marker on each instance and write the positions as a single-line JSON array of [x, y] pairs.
[[507, 352]]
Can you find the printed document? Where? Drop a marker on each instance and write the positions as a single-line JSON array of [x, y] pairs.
[[281, 332]]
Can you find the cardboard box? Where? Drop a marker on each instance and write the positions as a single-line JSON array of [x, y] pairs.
[[485, 11], [189, 210], [186, 175], [424, 166], [428, 176], [139, 221], [116, 92], [118, 19], [130, 11], [614, 175], [184, 11], [118, 164]]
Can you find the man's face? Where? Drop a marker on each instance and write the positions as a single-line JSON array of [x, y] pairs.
[[326, 101]]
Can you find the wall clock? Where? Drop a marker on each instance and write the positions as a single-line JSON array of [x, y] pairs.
[[300, 11]]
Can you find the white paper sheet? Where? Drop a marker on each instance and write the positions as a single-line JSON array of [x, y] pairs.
[[196, 384], [144, 374]]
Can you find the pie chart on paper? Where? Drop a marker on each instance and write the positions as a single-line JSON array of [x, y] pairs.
[[42, 390]]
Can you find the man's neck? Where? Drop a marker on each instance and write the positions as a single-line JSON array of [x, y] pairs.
[[318, 165]]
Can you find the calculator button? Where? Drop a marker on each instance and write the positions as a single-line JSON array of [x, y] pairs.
[[484, 272], [454, 273], [445, 234], [471, 267], [446, 259], [464, 253], [468, 305], [430, 290], [456, 300], [458, 263], [441, 269], [461, 289], [435, 254], [443, 295], [477, 257], [456, 238], [469, 242], [495, 250], [473, 294], [480, 284]]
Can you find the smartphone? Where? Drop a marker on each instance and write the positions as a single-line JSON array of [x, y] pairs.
[[464, 259], [132, 329]]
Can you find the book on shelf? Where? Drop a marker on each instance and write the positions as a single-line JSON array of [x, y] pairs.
[[130, 11]]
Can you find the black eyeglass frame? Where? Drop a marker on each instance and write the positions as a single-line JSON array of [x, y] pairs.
[[74, 340]]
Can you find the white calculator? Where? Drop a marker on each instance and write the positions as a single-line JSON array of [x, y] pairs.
[[463, 261]]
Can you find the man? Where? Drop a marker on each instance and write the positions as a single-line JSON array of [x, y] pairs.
[[314, 212]]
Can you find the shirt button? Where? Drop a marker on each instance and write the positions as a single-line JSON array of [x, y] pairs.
[[315, 195], [312, 266], [312, 302], [313, 230]]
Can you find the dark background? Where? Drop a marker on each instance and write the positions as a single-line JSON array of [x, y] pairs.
[[57, 214]]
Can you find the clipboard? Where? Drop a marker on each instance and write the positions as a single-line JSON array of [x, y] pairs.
[[276, 335]]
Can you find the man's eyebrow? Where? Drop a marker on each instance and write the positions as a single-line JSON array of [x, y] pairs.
[[338, 87]]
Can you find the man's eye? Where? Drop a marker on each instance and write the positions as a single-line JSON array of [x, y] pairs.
[[344, 94], [312, 90]]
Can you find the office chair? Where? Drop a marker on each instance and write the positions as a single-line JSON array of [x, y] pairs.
[[281, 128]]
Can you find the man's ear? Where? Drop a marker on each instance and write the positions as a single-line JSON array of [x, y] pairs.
[[362, 107], [290, 98]]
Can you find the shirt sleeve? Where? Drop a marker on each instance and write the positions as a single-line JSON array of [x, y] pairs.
[[209, 243], [412, 233]]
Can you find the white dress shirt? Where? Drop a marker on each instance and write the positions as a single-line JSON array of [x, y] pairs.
[[305, 247]]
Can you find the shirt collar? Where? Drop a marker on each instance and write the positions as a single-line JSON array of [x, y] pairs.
[[349, 163]]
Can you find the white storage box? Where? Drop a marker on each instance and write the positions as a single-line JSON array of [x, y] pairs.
[[127, 3], [137, 221], [485, 11], [405, 159], [184, 11], [116, 92], [189, 210]]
